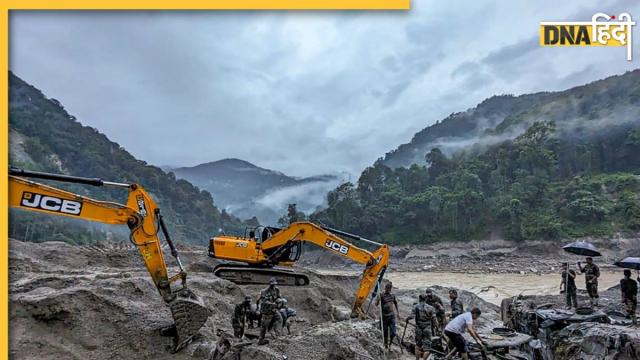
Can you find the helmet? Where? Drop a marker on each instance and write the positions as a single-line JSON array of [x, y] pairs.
[[281, 301], [429, 292]]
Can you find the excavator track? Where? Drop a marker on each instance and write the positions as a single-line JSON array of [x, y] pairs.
[[241, 274]]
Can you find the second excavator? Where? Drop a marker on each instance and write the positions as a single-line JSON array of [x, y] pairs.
[[261, 249]]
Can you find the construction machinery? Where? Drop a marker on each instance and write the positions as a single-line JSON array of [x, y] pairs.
[[141, 215], [261, 249]]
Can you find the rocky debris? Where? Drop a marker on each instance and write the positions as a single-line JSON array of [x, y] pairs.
[[590, 340], [583, 333], [78, 302], [96, 302]]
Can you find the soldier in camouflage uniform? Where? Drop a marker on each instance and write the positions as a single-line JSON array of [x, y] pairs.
[[240, 316], [425, 318], [629, 290], [456, 304], [591, 273], [435, 301], [271, 318], [389, 308]]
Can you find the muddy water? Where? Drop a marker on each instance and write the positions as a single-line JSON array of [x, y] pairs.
[[490, 287]]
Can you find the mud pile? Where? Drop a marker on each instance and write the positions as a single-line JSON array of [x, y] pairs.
[[90, 302], [98, 302]]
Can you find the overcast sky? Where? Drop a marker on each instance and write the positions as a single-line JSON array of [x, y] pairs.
[[302, 93]]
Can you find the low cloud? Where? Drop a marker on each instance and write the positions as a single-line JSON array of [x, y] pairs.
[[302, 93]]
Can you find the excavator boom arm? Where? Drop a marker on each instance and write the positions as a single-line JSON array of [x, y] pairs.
[[314, 234], [33, 196], [140, 214], [376, 262]]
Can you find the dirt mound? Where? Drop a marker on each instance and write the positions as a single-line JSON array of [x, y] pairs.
[[77, 302], [335, 341]]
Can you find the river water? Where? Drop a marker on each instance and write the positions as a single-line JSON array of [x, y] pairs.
[[490, 287]]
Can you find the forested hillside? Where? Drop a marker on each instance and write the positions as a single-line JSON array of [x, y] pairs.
[[573, 170], [43, 136]]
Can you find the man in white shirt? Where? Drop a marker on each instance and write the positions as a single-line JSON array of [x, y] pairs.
[[456, 328]]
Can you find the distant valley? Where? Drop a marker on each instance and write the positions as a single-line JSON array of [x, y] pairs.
[[246, 190]]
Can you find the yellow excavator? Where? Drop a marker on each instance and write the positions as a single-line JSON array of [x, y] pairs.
[[142, 217], [263, 248]]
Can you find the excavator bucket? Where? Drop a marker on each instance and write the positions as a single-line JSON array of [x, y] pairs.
[[189, 313]]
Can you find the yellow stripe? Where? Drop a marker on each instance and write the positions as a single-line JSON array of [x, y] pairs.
[[210, 4], [4, 190]]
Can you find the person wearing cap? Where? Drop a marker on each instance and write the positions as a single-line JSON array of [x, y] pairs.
[[456, 328], [591, 273], [435, 301], [456, 304], [271, 318], [629, 290], [239, 318], [425, 318], [389, 305], [568, 286]]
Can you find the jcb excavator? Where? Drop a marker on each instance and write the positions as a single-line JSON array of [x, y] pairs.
[[141, 215], [265, 247]]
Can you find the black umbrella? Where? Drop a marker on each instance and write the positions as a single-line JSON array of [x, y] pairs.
[[629, 263], [582, 248]]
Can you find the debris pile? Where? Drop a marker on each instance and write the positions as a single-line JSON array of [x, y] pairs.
[[88, 302], [583, 333]]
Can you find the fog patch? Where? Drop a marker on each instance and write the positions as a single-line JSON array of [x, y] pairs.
[[308, 197]]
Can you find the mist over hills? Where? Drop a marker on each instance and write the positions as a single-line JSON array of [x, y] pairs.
[[247, 190], [576, 111], [548, 165]]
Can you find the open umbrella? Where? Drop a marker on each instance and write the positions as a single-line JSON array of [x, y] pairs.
[[629, 263], [579, 248], [582, 248]]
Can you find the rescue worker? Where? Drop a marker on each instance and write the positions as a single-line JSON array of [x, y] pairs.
[[253, 315], [387, 301], [456, 304], [239, 318], [456, 328], [568, 286], [425, 318], [270, 315], [285, 313], [591, 273], [629, 289], [435, 301]]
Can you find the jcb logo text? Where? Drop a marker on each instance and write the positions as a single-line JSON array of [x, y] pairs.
[[50, 203], [343, 249]]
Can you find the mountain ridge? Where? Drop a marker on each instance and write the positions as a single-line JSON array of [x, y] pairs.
[[492, 118], [548, 165], [45, 137], [246, 189]]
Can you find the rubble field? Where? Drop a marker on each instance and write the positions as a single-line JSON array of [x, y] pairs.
[[98, 302]]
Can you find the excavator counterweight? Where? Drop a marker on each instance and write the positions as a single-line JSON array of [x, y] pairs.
[[142, 217]]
